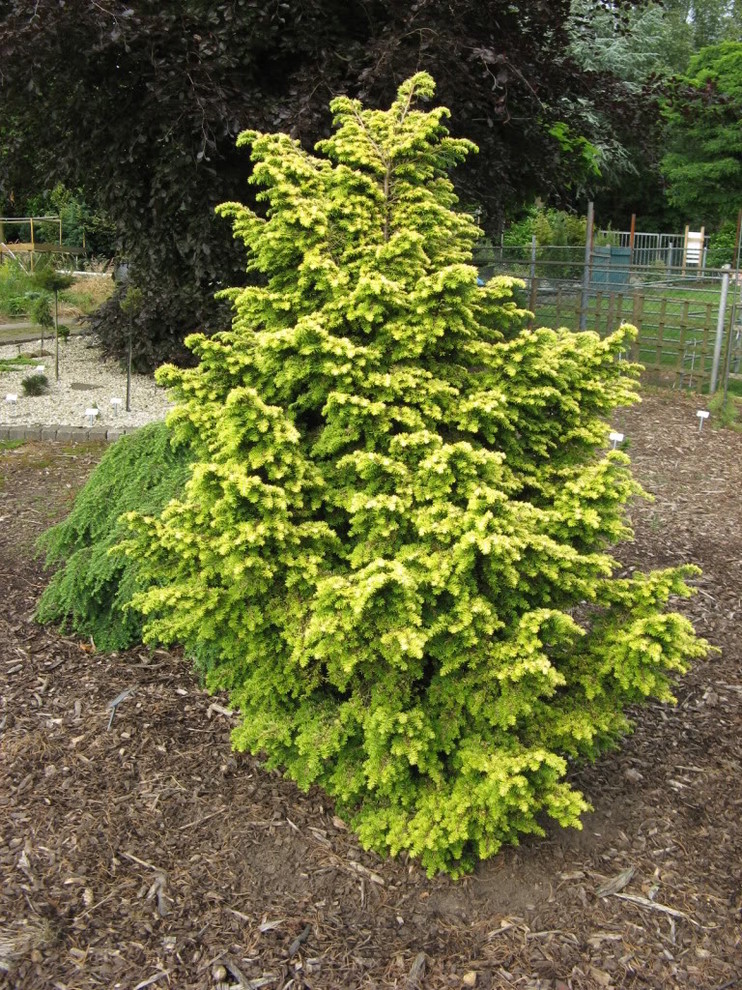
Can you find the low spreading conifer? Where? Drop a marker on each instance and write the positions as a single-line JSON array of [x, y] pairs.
[[91, 588], [393, 548]]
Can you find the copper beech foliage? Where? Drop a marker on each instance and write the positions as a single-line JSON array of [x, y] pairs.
[[139, 104]]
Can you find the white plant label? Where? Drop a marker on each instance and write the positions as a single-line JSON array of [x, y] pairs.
[[11, 397], [702, 414], [615, 438]]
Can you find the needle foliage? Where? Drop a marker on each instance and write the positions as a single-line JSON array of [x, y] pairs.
[[393, 548], [91, 587]]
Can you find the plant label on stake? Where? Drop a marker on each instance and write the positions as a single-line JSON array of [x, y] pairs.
[[91, 414], [130, 305], [615, 438], [11, 397], [702, 414], [116, 403], [128, 375]]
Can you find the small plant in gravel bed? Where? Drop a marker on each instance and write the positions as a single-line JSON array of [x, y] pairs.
[[37, 384], [12, 364], [393, 545]]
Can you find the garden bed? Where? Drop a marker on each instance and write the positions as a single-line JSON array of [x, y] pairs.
[[147, 854]]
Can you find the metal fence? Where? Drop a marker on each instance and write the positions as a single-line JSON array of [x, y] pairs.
[[652, 250], [690, 325]]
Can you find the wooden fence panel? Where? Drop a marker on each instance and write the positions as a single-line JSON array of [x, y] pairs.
[[676, 329]]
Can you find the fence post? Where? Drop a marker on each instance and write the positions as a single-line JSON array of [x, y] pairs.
[[585, 300], [532, 294], [720, 324]]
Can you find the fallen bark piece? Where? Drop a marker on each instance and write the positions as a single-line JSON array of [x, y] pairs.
[[417, 971], [299, 940], [617, 883], [646, 903]]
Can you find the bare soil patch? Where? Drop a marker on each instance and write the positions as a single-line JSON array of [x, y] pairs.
[[148, 855]]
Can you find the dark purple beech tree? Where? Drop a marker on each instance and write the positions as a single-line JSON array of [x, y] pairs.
[[139, 104]]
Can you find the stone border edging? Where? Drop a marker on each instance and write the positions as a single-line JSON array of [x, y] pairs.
[[74, 434]]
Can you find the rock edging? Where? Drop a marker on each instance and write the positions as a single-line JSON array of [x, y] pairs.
[[70, 434]]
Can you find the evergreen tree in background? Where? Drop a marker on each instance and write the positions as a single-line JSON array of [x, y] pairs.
[[394, 546], [703, 160]]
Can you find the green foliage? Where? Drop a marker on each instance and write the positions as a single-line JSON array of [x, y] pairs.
[[80, 222], [41, 311], [723, 246], [89, 592], [393, 549], [15, 284], [653, 40], [643, 50], [704, 22], [50, 280], [12, 364], [727, 411], [582, 152], [560, 239], [37, 384], [703, 163], [132, 302], [551, 228]]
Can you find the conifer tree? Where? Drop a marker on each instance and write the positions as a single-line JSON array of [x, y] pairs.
[[394, 546], [90, 592]]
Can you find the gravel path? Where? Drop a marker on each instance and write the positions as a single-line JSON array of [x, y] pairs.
[[86, 381]]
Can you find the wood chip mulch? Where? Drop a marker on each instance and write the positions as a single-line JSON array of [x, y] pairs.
[[138, 851]]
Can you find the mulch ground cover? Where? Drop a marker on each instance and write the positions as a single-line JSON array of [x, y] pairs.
[[138, 851]]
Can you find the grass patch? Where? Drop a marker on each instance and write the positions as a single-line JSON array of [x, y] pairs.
[[676, 323], [15, 284], [11, 444], [726, 414], [22, 361], [18, 290], [84, 447]]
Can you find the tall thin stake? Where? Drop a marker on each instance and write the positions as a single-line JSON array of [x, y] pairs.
[[532, 297], [128, 376], [720, 324], [585, 300], [56, 335], [733, 317]]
